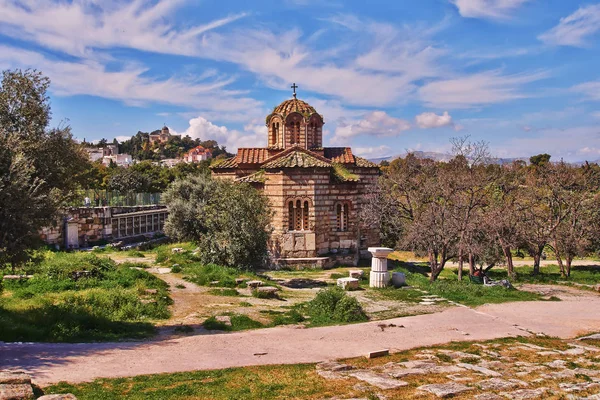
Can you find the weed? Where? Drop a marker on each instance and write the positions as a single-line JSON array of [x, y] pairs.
[[444, 357], [245, 304], [332, 306], [224, 292]]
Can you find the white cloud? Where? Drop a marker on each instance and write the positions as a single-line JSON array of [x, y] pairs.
[[574, 29], [375, 123], [78, 27], [372, 152], [491, 9], [128, 84], [475, 90], [252, 136], [429, 120], [589, 89], [596, 114], [572, 144]]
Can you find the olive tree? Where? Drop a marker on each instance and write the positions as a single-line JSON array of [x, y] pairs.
[[229, 221]]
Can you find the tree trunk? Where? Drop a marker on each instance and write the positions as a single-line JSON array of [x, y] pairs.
[[510, 268], [432, 265], [569, 259], [537, 256], [471, 264], [559, 259], [460, 264]]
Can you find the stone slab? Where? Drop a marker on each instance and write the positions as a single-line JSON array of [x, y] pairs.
[[444, 390], [16, 391], [348, 283], [380, 381], [378, 353]]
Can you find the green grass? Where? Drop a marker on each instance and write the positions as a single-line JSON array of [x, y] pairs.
[[585, 274], [264, 383], [239, 322], [61, 304], [224, 292], [463, 292], [204, 275]]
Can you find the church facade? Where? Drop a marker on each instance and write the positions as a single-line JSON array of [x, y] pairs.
[[315, 192]]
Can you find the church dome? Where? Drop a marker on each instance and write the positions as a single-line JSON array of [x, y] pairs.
[[294, 105]]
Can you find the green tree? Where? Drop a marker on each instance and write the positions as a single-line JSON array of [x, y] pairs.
[[40, 168], [228, 220]]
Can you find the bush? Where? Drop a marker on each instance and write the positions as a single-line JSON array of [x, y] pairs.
[[228, 220], [332, 306]]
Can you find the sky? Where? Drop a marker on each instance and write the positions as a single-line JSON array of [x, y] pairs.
[[387, 76]]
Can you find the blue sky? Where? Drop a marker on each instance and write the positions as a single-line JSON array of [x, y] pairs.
[[388, 76]]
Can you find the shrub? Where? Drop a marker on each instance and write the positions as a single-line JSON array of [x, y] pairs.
[[203, 275], [333, 305], [228, 220]]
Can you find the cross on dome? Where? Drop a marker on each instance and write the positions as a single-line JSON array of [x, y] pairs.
[[294, 86]]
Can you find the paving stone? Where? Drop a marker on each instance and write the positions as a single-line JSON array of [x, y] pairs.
[[382, 381], [67, 396], [578, 387], [334, 366], [557, 364], [477, 368], [444, 390], [595, 336], [488, 396], [456, 355], [459, 378], [525, 394], [548, 353], [16, 391], [14, 377], [500, 384]]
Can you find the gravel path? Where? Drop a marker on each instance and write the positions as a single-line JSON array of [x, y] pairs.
[[51, 363]]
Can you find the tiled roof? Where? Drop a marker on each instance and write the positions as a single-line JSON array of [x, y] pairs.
[[294, 105], [252, 155], [341, 174], [297, 158], [257, 177], [363, 162], [342, 155], [224, 163]]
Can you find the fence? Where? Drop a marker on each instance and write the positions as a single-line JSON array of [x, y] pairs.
[[102, 198]]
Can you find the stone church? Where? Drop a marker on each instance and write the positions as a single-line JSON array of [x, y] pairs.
[[315, 192]]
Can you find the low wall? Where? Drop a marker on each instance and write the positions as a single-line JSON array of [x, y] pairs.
[[85, 226]]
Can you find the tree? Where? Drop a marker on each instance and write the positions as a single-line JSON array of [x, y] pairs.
[[229, 221], [540, 159], [40, 168], [128, 180]]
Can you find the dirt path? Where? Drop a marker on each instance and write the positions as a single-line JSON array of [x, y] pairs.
[[50, 363]]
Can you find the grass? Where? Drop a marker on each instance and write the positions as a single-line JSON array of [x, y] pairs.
[[390, 293], [81, 297], [271, 382], [300, 381], [239, 322], [584, 274], [224, 292]]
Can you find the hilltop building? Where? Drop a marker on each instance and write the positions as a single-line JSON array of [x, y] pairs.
[[162, 136], [315, 192]]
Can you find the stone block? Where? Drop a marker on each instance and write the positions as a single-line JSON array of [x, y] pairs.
[[254, 284], [398, 279], [348, 283], [66, 396], [16, 391], [334, 245], [288, 243], [175, 250], [356, 273], [444, 390], [310, 242], [9, 377], [378, 353], [267, 291], [299, 243], [345, 244]]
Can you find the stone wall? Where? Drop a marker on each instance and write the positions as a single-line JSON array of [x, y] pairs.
[[94, 224], [322, 236]]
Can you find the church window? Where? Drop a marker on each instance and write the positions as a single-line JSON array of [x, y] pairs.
[[274, 134], [305, 216], [298, 215], [342, 212]]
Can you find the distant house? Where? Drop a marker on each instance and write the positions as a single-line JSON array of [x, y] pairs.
[[161, 137], [109, 153], [122, 160], [197, 154], [170, 162]]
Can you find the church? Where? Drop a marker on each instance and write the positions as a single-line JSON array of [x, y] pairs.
[[315, 192]]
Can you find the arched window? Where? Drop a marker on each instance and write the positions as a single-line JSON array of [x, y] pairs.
[[274, 134], [298, 215], [291, 216], [305, 216], [342, 212]]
